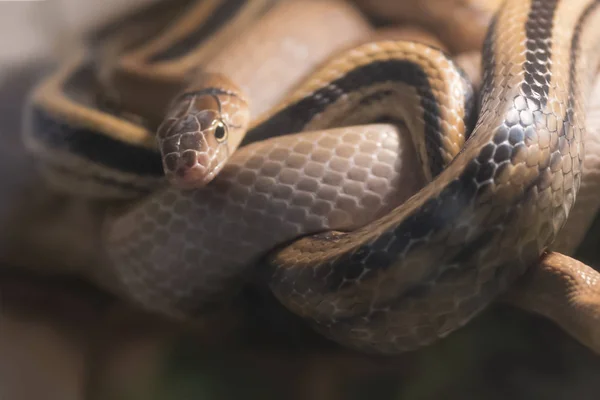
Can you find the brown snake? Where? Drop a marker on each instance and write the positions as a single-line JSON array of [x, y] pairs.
[[398, 276]]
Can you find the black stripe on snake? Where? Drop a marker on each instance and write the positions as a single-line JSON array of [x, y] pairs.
[[295, 117], [94, 146], [349, 264], [405, 275]]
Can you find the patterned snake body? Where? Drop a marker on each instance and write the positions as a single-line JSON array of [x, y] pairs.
[[397, 277], [287, 164], [110, 152], [427, 267]]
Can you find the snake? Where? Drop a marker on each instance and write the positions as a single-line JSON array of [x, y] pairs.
[[306, 197]]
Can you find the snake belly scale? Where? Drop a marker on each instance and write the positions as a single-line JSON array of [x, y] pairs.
[[493, 204]]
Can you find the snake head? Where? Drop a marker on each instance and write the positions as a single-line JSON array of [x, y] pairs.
[[202, 129]]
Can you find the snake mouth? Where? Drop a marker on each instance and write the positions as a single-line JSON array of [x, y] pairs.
[[197, 174]]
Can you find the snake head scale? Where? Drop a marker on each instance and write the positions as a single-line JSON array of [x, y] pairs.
[[203, 127]]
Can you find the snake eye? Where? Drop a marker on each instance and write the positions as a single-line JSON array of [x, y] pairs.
[[220, 132]]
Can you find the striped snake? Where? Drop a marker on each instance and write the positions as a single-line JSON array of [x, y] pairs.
[[302, 185]]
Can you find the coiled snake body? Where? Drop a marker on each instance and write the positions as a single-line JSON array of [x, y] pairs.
[[369, 273]]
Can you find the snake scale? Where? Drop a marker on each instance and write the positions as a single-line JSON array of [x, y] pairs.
[[304, 184]]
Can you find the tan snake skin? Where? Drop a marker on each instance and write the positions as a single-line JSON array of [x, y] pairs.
[[565, 291], [159, 235], [70, 93], [461, 23]]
